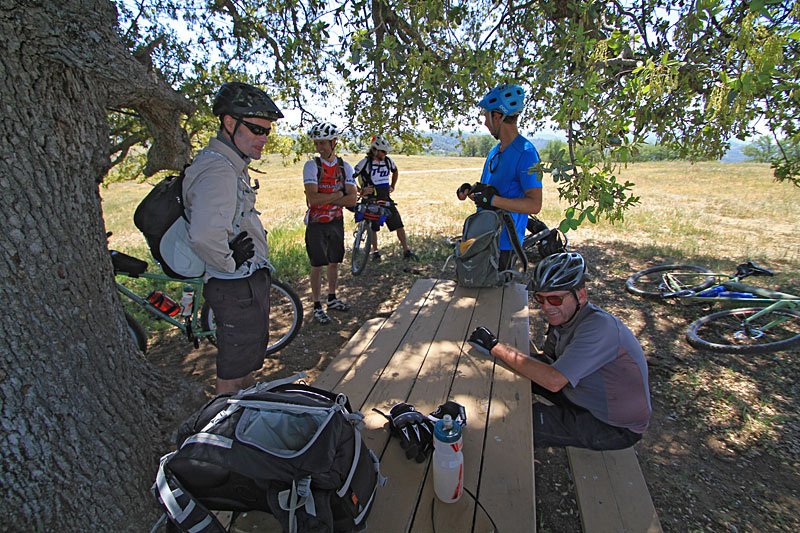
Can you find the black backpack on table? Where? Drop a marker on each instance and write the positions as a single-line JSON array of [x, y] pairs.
[[288, 449]]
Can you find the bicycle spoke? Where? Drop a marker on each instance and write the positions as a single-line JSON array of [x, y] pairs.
[[739, 330]]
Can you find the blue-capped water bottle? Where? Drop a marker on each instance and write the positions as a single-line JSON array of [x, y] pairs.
[[448, 461], [712, 292], [187, 298]]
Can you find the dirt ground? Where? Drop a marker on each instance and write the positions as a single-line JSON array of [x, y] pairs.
[[723, 449]]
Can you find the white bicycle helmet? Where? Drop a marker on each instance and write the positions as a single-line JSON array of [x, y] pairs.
[[559, 272], [379, 142], [323, 131]]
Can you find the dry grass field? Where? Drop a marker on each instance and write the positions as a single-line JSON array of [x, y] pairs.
[[722, 451]]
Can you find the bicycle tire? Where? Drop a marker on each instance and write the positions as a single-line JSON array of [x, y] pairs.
[[718, 332], [137, 332], [640, 284], [285, 316], [360, 255]]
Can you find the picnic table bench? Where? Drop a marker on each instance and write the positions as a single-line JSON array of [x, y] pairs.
[[419, 355]]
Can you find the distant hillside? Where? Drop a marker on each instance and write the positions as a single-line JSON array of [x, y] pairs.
[[449, 144]]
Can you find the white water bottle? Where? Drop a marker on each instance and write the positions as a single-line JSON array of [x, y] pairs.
[[187, 298], [448, 461]]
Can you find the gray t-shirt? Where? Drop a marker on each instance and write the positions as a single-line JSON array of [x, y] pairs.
[[606, 368]]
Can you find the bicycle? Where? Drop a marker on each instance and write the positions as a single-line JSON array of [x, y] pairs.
[[771, 322], [286, 311], [368, 211]]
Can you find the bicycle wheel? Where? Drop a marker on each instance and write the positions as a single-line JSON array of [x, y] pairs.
[[652, 282], [361, 247], [285, 316], [137, 332], [730, 331]]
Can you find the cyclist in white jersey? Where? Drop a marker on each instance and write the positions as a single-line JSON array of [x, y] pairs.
[[377, 177]]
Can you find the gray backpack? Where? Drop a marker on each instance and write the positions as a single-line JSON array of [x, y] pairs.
[[477, 252]]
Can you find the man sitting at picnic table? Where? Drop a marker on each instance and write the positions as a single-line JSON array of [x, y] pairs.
[[596, 373]]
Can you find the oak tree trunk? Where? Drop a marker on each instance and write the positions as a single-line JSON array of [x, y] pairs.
[[79, 406]]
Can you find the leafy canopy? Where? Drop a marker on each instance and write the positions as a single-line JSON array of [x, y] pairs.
[[608, 73]]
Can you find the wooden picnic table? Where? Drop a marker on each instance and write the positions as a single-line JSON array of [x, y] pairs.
[[419, 355]]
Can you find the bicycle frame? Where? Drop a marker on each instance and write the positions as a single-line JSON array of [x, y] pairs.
[[731, 283], [191, 323]]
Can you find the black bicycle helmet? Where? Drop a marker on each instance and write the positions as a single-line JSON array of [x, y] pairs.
[[559, 272], [242, 100]]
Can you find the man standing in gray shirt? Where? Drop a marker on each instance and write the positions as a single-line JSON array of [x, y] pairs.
[[226, 233], [595, 376]]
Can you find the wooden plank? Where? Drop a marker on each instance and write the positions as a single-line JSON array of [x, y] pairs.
[[611, 491], [359, 380], [595, 494], [471, 388], [507, 473], [435, 379], [398, 498], [338, 368], [633, 498]]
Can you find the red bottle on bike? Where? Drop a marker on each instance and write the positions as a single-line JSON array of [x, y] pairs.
[[164, 303]]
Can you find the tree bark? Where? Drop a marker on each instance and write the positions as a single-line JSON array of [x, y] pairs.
[[79, 406]]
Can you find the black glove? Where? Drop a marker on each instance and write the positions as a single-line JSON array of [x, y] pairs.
[[483, 197], [464, 189], [483, 339], [414, 430], [454, 409], [243, 248]]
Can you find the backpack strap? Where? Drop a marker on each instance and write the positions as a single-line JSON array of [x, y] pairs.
[[342, 491], [298, 496], [183, 508], [511, 228], [318, 161]]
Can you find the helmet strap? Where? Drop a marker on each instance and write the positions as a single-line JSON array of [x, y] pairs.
[[496, 130], [232, 135], [577, 307]]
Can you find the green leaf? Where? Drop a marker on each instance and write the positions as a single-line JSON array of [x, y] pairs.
[[564, 226]]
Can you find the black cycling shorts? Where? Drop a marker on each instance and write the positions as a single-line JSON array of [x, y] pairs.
[[241, 315], [393, 220], [325, 242]]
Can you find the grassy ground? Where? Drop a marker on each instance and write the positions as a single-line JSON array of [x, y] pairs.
[[722, 451]]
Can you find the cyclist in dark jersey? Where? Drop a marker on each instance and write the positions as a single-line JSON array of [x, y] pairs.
[[592, 371]]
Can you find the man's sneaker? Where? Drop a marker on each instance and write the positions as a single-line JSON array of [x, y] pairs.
[[321, 316], [337, 305], [408, 254], [376, 256]]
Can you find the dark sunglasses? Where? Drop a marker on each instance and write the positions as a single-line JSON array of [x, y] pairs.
[[552, 299], [255, 129]]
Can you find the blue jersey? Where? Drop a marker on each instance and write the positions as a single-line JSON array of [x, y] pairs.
[[513, 175]]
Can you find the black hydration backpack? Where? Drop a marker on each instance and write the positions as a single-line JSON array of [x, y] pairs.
[[288, 449], [157, 213]]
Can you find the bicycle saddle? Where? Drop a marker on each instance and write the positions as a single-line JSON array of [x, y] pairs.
[[751, 269]]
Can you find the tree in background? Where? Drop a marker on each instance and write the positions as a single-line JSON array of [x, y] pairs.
[[477, 145], [764, 150]]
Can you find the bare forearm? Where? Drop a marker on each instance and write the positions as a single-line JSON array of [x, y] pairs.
[[538, 372], [526, 205]]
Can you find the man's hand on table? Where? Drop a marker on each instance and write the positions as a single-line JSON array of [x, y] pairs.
[[483, 339]]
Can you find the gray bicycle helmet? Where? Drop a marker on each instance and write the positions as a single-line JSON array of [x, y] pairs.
[[242, 100], [323, 131], [379, 142], [559, 272]]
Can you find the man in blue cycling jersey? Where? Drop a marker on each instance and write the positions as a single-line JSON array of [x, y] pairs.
[[509, 180], [595, 377]]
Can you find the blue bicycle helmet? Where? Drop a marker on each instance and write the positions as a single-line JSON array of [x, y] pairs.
[[507, 99]]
